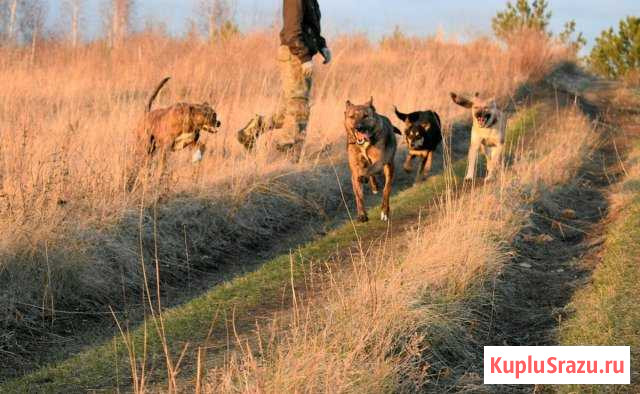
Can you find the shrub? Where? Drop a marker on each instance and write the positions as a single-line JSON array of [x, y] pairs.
[[534, 16], [617, 54]]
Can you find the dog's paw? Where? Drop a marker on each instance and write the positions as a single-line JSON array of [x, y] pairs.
[[197, 156], [374, 191], [363, 218], [384, 216], [407, 169]]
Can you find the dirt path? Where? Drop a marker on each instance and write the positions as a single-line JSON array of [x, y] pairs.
[[555, 253]]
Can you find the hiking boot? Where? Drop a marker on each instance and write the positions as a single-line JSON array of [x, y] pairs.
[[248, 135]]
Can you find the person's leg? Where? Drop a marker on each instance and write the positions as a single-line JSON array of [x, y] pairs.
[[293, 102], [296, 96], [276, 120]]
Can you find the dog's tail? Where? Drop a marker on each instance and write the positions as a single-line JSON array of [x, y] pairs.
[[155, 94]]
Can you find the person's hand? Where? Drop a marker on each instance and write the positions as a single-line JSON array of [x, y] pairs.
[[326, 54], [307, 69]]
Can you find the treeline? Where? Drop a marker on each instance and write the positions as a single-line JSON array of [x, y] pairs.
[[615, 54], [24, 22]]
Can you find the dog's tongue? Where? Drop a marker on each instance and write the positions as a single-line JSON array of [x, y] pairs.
[[362, 136]]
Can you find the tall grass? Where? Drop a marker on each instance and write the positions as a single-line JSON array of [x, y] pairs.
[[67, 122], [379, 327], [71, 234]]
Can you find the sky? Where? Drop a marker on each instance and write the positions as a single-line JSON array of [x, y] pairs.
[[460, 18]]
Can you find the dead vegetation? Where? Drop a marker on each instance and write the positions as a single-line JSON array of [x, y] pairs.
[[405, 322], [73, 237]]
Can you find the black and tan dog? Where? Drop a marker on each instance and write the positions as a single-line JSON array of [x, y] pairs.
[[371, 147], [423, 134], [175, 128]]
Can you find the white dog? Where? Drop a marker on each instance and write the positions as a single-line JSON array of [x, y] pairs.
[[487, 133]]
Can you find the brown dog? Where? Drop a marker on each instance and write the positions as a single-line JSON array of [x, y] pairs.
[[176, 127], [371, 147]]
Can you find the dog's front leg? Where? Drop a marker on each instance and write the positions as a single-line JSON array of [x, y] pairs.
[[374, 169], [359, 194], [425, 167], [374, 184], [386, 194], [408, 163], [494, 161], [198, 153], [472, 160]]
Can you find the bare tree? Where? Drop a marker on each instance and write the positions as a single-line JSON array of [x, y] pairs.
[[22, 21], [118, 19], [216, 17], [72, 12], [13, 18], [32, 23]]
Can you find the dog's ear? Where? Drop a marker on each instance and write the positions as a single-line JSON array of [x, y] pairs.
[[348, 104], [370, 104], [461, 101], [216, 120], [400, 115]]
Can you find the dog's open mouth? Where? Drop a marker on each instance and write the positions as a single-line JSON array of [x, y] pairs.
[[484, 119], [361, 138], [211, 129]]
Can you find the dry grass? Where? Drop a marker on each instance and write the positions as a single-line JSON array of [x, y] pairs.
[[66, 123], [605, 312], [70, 230], [377, 328]]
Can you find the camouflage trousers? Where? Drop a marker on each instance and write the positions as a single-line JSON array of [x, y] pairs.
[[288, 124]]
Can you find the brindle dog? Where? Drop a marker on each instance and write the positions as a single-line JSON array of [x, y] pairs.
[[176, 127], [423, 134], [371, 147]]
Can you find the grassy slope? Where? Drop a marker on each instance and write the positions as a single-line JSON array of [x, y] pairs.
[[607, 311], [241, 297], [190, 323]]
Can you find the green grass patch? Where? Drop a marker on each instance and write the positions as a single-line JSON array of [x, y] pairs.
[[523, 122], [107, 366]]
